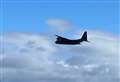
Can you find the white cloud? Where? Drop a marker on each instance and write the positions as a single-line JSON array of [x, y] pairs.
[[58, 24], [34, 58]]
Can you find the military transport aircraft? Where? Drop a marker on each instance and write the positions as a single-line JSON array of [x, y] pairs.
[[65, 41]]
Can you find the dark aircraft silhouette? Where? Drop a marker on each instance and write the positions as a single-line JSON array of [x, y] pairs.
[[61, 40]]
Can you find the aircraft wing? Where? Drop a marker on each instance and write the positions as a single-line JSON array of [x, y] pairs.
[[59, 38]]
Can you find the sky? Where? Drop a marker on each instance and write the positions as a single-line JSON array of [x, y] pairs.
[[28, 52], [31, 15]]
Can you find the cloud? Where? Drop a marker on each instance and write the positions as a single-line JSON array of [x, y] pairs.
[[58, 24], [35, 58]]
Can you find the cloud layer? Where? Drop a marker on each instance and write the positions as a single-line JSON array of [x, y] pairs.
[[35, 58]]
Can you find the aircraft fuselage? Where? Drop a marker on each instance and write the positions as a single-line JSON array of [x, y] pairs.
[[68, 42], [62, 40]]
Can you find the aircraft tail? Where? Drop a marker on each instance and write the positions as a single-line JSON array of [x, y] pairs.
[[84, 37]]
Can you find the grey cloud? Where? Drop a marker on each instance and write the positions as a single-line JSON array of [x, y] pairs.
[[33, 58]]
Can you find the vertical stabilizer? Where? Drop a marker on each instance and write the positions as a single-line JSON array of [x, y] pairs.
[[84, 37]]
